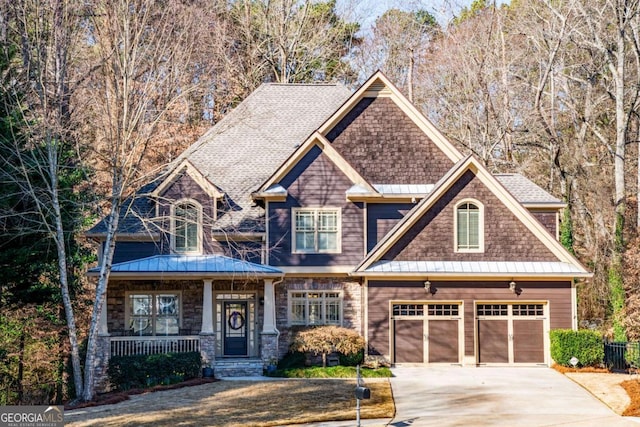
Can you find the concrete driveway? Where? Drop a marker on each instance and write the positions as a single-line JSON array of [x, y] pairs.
[[457, 396]]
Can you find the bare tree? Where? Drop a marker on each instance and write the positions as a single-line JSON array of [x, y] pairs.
[[142, 49], [40, 156]]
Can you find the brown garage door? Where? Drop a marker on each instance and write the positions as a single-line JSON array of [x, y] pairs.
[[426, 328], [409, 343], [443, 341], [528, 333], [510, 333]]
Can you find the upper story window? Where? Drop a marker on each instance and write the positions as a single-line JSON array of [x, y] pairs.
[[469, 227], [187, 227], [316, 230]]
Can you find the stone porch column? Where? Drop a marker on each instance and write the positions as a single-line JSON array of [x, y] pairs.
[[270, 334], [207, 338]]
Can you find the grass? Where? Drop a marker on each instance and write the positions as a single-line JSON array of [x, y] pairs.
[[244, 403], [332, 372]]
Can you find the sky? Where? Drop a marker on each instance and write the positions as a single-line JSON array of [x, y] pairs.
[[366, 11]]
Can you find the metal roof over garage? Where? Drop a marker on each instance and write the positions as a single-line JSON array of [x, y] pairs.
[[476, 268]]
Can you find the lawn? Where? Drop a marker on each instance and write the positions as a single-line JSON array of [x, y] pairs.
[[243, 403]]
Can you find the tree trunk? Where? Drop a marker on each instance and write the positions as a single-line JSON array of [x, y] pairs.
[[101, 291]]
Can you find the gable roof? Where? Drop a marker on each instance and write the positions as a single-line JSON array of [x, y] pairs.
[[186, 167], [315, 140], [372, 263], [243, 149], [250, 142], [378, 85]]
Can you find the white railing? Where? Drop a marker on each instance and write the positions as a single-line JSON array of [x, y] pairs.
[[127, 346]]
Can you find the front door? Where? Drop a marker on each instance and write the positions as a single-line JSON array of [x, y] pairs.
[[235, 328]]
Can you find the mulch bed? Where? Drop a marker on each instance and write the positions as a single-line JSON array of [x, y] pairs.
[[632, 387], [591, 369], [120, 396]]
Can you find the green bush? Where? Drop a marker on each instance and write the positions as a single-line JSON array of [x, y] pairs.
[[352, 359], [141, 371], [293, 359], [585, 345]]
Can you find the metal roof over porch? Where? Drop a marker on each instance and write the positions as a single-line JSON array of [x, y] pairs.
[[209, 266]]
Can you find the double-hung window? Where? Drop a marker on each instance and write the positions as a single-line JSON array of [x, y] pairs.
[[154, 313], [315, 308], [187, 227], [469, 227], [316, 230]]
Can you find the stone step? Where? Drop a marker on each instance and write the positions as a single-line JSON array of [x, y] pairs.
[[238, 368]]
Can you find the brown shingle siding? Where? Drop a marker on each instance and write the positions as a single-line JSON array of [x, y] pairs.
[[316, 183], [386, 147], [505, 237]]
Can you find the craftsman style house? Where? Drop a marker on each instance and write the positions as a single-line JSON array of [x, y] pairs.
[[312, 205]]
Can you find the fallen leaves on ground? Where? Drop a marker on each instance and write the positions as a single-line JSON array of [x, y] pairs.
[[632, 387], [244, 403]]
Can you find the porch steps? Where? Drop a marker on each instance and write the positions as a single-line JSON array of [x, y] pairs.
[[238, 368]]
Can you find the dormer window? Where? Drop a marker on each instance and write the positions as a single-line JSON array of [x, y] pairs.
[[469, 227], [187, 227]]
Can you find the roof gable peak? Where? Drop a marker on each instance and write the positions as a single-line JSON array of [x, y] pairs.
[[187, 167], [469, 163]]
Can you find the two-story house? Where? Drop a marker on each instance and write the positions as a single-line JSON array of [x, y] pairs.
[[311, 205]]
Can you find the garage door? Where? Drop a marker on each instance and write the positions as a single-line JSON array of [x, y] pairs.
[[511, 333], [426, 333]]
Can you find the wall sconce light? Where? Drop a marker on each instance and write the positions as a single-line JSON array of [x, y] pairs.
[[428, 288], [513, 287]]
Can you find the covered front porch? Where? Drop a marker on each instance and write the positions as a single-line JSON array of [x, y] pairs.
[[222, 307]]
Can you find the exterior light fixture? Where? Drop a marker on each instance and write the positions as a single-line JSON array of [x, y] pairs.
[[428, 288], [512, 287]]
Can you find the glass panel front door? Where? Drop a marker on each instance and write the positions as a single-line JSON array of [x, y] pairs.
[[235, 328]]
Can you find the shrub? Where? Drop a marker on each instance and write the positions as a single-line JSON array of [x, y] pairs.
[[352, 359], [293, 359], [141, 371], [585, 345], [327, 339]]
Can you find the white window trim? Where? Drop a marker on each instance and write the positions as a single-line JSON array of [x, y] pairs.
[[480, 206], [306, 298], [338, 249], [197, 204], [127, 306]]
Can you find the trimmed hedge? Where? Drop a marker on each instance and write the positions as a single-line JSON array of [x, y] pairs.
[[585, 345], [142, 371]]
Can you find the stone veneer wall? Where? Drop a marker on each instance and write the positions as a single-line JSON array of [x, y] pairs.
[[191, 301], [351, 305]]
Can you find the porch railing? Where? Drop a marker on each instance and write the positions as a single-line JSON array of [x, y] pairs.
[[127, 346]]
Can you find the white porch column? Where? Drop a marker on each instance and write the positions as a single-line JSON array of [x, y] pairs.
[[269, 325], [103, 328], [207, 308]]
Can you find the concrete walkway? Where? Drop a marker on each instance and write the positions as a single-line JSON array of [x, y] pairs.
[[457, 396]]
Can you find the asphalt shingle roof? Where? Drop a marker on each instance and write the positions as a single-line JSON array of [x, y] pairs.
[[524, 190], [244, 148]]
